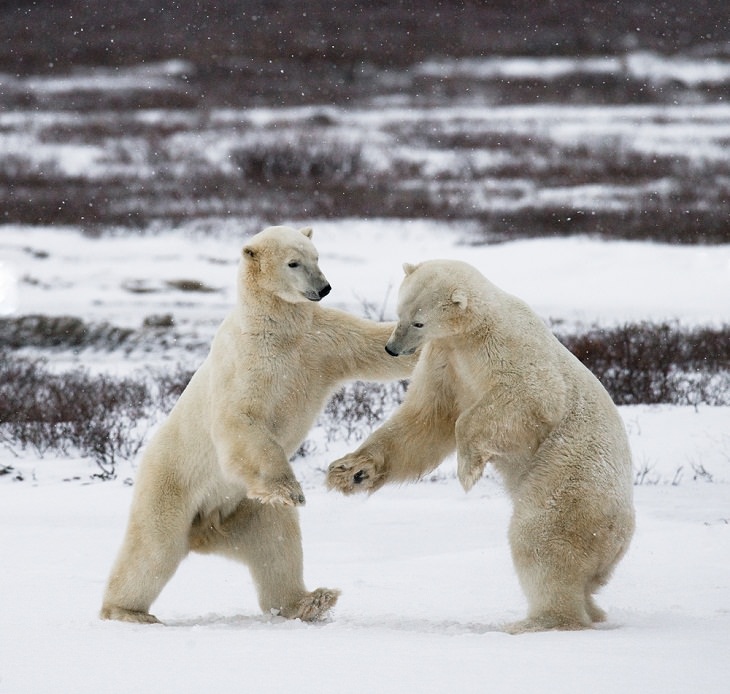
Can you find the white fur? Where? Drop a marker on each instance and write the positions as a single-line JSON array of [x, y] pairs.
[[216, 476], [495, 385]]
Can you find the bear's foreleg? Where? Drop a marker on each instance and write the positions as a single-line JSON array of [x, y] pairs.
[[409, 445], [249, 452], [267, 538], [496, 429], [364, 470], [473, 446]]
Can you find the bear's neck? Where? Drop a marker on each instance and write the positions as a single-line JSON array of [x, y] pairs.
[[270, 314]]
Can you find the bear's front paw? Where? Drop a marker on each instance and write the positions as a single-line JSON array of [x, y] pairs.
[[356, 473], [285, 491], [469, 469]]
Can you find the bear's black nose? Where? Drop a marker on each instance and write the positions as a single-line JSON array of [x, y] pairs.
[[324, 291], [390, 351]]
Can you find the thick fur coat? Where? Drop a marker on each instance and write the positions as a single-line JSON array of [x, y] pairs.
[[496, 386], [216, 475]]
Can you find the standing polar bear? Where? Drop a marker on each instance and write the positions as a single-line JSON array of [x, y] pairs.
[[216, 475], [493, 383]]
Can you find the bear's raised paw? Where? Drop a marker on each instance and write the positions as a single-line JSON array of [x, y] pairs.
[[469, 472], [355, 473]]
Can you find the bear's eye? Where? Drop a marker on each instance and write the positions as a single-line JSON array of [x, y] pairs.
[[293, 263], [417, 325]]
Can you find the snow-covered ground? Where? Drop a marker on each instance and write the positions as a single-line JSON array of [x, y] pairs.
[[426, 579], [581, 281], [424, 569]]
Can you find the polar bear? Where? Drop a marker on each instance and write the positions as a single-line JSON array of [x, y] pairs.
[[216, 476], [494, 384]]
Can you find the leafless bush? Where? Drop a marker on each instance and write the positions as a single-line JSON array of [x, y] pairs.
[[106, 419], [304, 161], [95, 416], [643, 363], [357, 408], [71, 334], [700, 473], [48, 332], [320, 175], [168, 386]]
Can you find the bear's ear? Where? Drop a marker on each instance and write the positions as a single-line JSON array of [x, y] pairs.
[[249, 253], [408, 268], [459, 297], [307, 231]]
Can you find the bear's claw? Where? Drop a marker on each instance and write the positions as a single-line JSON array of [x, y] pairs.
[[276, 497], [287, 492], [355, 474]]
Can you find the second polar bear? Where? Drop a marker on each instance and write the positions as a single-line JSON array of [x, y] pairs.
[[494, 384], [216, 476]]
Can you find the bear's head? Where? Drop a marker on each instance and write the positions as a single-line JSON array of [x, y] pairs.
[[283, 262], [433, 303]]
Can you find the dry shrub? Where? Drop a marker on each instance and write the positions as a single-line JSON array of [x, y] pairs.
[[74, 412], [48, 332], [104, 418], [357, 408], [644, 363], [304, 161]]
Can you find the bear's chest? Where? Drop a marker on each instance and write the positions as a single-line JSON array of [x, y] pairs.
[[467, 376], [292, 397]]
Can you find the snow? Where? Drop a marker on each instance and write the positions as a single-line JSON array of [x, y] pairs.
[[424, 568], [426, 579], [640, 65], [149, 76], [578, 281], [697, 131]]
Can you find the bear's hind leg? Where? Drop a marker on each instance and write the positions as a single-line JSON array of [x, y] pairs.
[[594, 612], [554, 580], [552, 605], [267, 538], [270, 542], [612, 553], [146, 562], [595, 584]]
